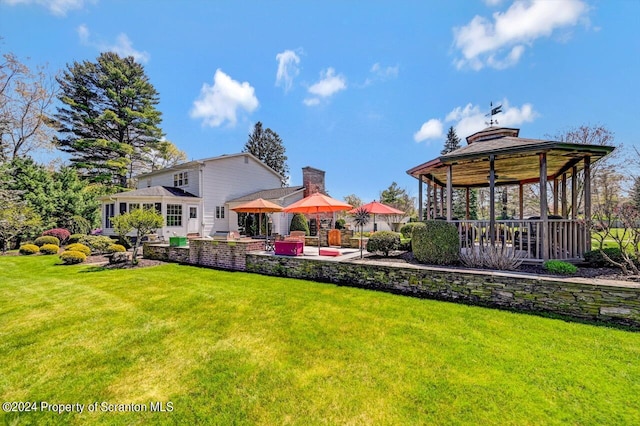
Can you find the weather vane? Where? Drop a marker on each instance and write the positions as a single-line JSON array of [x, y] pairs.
[[494, 111]]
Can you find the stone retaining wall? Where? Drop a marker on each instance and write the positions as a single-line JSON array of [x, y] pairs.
[[205, 252], [617, 303]]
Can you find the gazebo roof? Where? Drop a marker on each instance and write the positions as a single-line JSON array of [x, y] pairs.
[[516, 159]]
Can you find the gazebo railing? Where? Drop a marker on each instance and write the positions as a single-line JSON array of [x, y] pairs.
[[568, 239]]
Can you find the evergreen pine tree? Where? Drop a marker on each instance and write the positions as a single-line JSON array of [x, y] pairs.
[[267, 146], [452, 143]]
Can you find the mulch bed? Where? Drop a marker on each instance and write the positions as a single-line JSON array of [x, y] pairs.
[[103, 261], [583, 271]]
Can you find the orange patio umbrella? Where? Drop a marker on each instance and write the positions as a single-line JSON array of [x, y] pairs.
[[376, 207], [315, 204], [258, 205]]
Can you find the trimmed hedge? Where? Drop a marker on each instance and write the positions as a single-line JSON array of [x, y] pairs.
[[71, 257], [384, 242], [407, 229], [79, 248], [595, 258], [436, 243], [75, 238], [49, 249], [560, 267], [47, 239], [60, 233], [116, 248], [299, 223], [97, 243], [29, 249]]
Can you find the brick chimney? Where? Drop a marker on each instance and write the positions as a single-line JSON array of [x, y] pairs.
[[312, 180]]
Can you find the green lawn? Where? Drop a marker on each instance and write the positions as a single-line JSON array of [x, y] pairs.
[[235, 348]]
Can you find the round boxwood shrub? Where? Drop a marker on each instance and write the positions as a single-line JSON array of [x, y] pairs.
[[436, 243], [407, 229], [560, 267], [80, 248], [28, 249], [116, 248], [60, 233], [49, 249], [595, 258], [71, 257], [383, 242], [75, 238], [97, 243], [47, 239], [299, 223]]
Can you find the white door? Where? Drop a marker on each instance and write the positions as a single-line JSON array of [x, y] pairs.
[[193, 223]]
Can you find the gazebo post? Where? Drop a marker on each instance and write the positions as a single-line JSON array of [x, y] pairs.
[[574, 192], [521, 200], [420, 198], [492, 199], [555, 196], [441, 201], [449, 192], [563, 187], [543, 206], [587, 202], [428, 201]]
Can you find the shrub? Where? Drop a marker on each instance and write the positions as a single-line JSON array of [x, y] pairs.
[[436, 243], [75, 238], [595, 258], [560, 267], [116, 248], [47, 239], [407, 229], [71, 257], [28, 249], [493, 257], [49, 249], [60, 233], [340, 223], [79, 247], [97, 243], [299, 223], [384, 242]]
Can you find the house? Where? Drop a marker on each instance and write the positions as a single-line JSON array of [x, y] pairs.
[[196, 198]]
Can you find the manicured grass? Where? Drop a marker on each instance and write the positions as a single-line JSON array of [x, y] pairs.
[[234, 348]]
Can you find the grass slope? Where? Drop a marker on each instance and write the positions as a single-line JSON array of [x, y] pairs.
[[235, 348]]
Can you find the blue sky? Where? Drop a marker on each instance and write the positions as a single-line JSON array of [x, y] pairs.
[[362, 90]]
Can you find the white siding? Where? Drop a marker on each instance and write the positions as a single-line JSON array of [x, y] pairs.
[[166, 179], [228, 178]]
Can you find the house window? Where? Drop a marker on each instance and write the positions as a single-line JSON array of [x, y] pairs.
[[109, 212], [174, 215], [193, 212], [147, 206], [123, 208], [133, 206], [181, 179], [219, 212]]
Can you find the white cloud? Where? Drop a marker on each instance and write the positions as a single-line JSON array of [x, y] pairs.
[[471, 118], [500, 43], [221, 102], [431, 129], [492, 2], [328, 84], [288, 62], [380, 73], [311, 101], [123, 45], [57, 7]]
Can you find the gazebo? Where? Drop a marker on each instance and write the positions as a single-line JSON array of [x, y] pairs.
[[497, 156]]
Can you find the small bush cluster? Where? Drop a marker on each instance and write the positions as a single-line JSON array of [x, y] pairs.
[[116, 248], [80, 248], [47, 239], [97, 243], [75, 238], [28, 249], [383, 242], [436, 243], [49, 249], [299, 223], [595, 258], [407, 229], [71, 257], [60, 233], [560, 267], [492, 257]]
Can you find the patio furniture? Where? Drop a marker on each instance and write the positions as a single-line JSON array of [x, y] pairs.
[[329, 252], [289, 248]]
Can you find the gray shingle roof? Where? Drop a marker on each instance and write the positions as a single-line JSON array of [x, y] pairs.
[[269, 194], [154, 191]]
